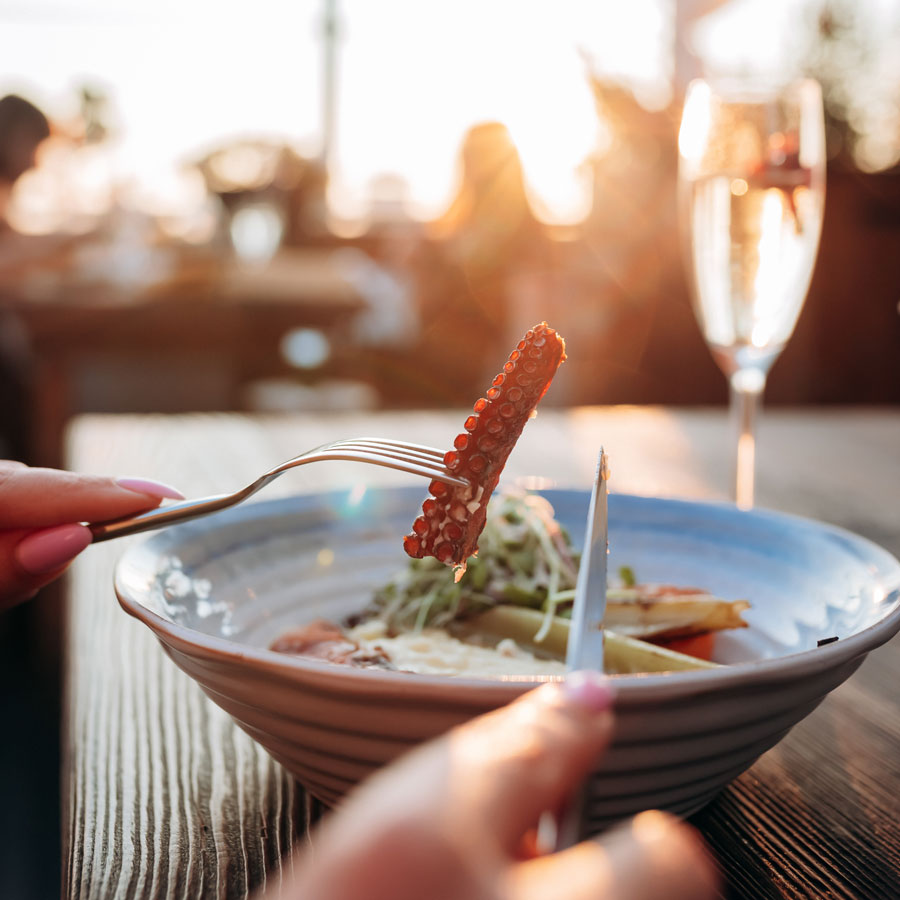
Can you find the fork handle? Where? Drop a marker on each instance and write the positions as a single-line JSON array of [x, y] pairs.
[[157, 518]]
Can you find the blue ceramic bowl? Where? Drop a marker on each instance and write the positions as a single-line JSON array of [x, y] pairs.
[[217, 591]]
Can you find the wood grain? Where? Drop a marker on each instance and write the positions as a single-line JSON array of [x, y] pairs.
[[161, 786], [164, 797]]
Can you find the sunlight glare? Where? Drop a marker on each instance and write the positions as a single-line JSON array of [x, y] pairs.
[[768, 285], [454, 71], [695, 124], [357, 494], [410, 80], [553, 157]]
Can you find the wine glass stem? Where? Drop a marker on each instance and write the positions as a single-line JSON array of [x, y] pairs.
[[747, 387]]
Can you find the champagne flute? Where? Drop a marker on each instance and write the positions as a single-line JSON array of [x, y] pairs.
[[751, 180]]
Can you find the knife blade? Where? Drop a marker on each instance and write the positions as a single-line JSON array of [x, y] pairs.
[[585, 647]]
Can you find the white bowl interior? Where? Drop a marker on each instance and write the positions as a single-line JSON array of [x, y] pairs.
[[252, 573]]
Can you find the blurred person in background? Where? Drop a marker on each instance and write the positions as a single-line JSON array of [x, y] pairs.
[[30, 693], [23, 127], [474, 263]]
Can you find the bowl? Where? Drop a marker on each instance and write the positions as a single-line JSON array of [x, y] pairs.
[[217, 591]]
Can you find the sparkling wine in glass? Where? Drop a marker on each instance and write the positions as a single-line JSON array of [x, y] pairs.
[[751, 194]]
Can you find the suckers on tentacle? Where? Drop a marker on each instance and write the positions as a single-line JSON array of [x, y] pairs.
[[453, 517]]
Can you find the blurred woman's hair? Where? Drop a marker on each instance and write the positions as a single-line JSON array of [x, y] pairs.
[[22, 128], [491, 204]]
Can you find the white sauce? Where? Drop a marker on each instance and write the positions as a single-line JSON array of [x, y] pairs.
[[435, 652]]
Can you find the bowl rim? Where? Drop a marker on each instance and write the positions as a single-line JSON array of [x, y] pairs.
[[334, 677]]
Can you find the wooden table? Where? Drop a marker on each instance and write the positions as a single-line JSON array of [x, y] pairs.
[[164, 797]]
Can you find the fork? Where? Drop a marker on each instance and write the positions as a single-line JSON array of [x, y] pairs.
[[413, 458]]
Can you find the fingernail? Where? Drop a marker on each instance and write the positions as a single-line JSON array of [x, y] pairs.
[[150, 488], [590, 690], [44, 551]]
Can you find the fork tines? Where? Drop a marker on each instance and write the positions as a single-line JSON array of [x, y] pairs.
[[414, 458], [401, 449]]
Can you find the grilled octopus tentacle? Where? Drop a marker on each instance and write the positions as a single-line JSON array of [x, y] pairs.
[[453, 517]]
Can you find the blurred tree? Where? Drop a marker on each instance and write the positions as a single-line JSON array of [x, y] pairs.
[[853, 53]]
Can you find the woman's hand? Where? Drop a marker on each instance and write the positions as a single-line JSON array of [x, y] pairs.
[[41, 511], [451, 820]]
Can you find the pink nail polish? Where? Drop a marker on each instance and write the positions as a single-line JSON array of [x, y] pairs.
[[44, 551], [150, 488], [590, 690]]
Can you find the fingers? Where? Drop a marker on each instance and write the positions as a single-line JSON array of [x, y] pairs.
[[518, 762], [493, 777], [452, 812], [29, 560], [459, 806], [651, 857], [40, 498], [40, 515]]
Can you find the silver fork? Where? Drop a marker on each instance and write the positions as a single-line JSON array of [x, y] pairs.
[[413, 458]]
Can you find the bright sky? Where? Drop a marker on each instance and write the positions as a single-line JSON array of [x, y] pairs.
[[412, 77]]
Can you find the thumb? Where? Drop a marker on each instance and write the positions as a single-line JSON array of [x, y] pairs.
[[528, 757], [494, 776]]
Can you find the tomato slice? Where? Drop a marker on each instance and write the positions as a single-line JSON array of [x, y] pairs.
[[699, 645]]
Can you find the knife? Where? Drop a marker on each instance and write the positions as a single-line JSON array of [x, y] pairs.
[[585, 647]]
